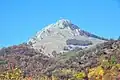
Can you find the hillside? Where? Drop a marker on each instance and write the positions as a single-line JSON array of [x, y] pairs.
[[32, 62], [62, 51]]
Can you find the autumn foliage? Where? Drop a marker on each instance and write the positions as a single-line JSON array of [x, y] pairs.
[[108, 69]]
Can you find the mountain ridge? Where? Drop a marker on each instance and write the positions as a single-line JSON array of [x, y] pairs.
[[58, 33], [83, 53]]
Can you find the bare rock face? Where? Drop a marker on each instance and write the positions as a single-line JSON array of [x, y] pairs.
[[55, 37]]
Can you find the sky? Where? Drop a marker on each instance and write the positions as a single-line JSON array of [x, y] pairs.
[[21, 19]]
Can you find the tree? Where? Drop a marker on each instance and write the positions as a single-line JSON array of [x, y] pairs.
[[119, 38], [111, 39]]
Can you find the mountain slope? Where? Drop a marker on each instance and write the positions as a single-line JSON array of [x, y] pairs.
[[35, 63], [63, 36]]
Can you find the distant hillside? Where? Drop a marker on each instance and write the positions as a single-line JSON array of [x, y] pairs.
[[32, 61]]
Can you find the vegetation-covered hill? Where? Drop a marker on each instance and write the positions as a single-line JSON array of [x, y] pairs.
[[101, 62]]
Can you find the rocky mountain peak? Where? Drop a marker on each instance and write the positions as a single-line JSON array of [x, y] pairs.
[[64, 21], [63, 35]]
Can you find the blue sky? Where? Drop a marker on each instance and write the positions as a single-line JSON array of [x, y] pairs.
[[21, 19]]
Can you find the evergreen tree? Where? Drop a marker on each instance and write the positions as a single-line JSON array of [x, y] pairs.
[[119, 38]]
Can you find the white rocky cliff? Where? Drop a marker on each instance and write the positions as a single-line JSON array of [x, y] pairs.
[[63, 36]]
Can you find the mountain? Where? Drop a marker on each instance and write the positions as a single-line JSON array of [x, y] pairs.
[[86, 56], [34, 63], [63, 36]]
